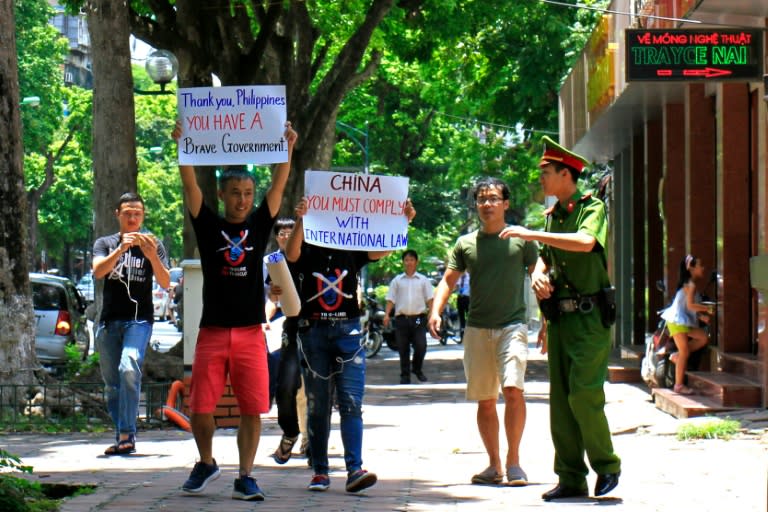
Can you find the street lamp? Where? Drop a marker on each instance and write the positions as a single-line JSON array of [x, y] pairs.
[[161, 66], [31, 101], [351, 131]]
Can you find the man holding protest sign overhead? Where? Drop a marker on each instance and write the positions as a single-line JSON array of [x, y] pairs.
[[230, 340], [330, 334]]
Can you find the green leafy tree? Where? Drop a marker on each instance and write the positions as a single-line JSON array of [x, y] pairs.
[[41, 51]]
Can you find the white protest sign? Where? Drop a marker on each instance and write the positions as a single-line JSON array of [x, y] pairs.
[[360, 212], [232, 125]]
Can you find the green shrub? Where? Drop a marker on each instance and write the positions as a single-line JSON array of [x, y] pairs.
[[714, 429]]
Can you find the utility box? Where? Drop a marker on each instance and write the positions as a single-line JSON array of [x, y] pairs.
[[193, 307]]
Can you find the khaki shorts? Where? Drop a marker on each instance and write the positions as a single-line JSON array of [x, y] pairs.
[[494, 358]]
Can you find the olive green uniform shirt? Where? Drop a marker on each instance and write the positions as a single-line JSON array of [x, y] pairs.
[[584, 271]]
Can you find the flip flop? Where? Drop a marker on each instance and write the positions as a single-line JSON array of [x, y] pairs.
[[489, 476], [122, 447], [284, 449]]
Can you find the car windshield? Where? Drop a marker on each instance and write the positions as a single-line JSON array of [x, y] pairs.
[[85, 280], [46, 297]]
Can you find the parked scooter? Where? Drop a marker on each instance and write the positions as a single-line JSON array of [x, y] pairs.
[[374, 332], [450, 326]]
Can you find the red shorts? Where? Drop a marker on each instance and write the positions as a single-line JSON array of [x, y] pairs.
[[239, 352]]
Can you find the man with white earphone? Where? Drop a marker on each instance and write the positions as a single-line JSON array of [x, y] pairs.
[[127, 261]]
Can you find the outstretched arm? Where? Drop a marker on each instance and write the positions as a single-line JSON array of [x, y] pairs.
[[280, 174], [293, 246], [192, 193], [573, 242]]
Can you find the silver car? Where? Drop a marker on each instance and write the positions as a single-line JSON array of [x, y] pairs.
[[60, 318]]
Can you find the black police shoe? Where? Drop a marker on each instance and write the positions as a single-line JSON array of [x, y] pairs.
[[606, 483], [560, 492]]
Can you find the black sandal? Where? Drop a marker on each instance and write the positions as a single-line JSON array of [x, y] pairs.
[[284, 449], [122, 447]]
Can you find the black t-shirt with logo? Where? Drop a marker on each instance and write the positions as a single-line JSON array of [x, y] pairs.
[[128, 286], [328, 282], [231, 260]]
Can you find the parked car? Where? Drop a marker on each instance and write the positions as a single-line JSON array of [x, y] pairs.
[[85, 286], [60, 318]]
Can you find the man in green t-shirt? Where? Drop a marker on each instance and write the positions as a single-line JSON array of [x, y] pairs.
[[496, 336], [572, 269]]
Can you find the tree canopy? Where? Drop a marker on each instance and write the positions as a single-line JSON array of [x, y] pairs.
[[445, 91]]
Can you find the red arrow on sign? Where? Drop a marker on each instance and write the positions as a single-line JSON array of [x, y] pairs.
[[707, 72]]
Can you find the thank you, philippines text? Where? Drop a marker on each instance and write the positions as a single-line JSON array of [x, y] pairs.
[[232, 125]]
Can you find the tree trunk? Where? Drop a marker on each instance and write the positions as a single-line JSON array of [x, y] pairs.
[[114, 128], [17, 354], [114, 125]]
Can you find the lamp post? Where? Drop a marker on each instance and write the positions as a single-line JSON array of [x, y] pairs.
[[31, 101], [161, 66], [351, 131]]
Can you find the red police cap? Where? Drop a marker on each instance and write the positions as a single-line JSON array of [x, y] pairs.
[[554, 152]]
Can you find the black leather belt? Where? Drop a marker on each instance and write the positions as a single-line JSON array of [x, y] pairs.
[[411, 316], [584, 304]]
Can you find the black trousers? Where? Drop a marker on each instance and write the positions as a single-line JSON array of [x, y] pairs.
[[411, 330], [462, 305], [288, 379]]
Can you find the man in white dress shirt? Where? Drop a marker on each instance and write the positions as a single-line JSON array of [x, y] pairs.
[[410, 293]]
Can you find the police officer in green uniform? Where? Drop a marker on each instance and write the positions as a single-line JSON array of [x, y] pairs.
[[571, 273]]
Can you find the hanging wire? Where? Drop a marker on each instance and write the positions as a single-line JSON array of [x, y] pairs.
[[649, 16], [472, 120]]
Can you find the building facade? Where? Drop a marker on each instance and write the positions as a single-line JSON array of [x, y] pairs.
[[687, 144], [77, 67]]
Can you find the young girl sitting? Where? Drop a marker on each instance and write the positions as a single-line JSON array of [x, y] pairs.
[[683, 319]]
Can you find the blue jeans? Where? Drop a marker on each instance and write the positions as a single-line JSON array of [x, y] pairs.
[[335, 363], [121, 345]]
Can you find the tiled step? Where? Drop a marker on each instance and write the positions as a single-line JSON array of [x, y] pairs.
[[686, 406], [746, 365], [624, 364], [626, 370], [728, 389], [632, 351]]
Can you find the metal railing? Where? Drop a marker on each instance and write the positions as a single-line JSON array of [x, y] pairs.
[[70, 406]]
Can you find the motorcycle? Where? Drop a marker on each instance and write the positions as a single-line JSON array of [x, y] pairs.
[[450, 326], [374, 332]]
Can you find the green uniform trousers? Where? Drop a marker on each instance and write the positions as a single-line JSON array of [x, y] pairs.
[[578, 347]]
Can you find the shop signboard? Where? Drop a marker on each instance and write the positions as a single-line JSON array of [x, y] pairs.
[[694, 55]]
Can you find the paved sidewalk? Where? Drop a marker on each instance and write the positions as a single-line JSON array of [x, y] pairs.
[[422, 441]]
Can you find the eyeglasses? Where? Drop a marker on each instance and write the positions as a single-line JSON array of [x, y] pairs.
[[284, 234], [493, 201]]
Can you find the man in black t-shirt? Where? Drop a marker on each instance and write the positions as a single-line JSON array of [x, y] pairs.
[[127, 260], [331, 346], [230, 340]]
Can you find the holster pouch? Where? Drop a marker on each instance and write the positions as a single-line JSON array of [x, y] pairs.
[[550, 308], [607, 302]]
